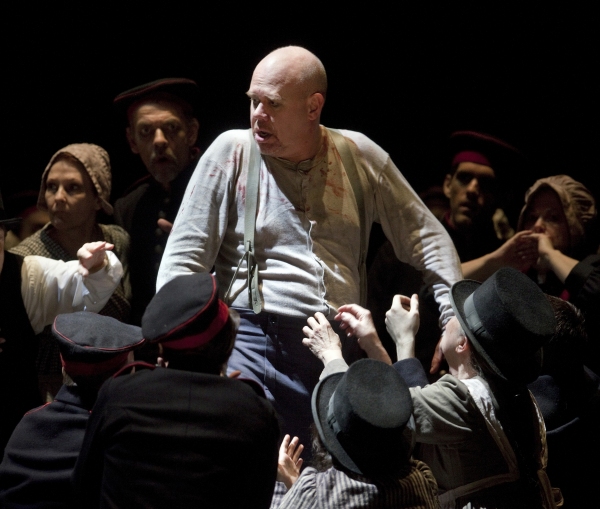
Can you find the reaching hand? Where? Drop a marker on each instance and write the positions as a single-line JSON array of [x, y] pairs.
[[164, 225], [357, 321], [92, 257], [2, 340], [520, 251], [321, 339], [402, 322], [289, 462]]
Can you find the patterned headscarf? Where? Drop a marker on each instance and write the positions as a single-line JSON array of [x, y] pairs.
[[96, 162], [578, 204]]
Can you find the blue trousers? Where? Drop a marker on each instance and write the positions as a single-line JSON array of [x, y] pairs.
[[269, 350]]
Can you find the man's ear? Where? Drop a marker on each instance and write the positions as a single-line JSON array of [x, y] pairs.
[[131, 141], [463, 345], [193, 128], [315, 106], [446, 185]]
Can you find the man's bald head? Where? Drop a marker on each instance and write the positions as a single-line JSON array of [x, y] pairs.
[[287, 93], [299, 66]]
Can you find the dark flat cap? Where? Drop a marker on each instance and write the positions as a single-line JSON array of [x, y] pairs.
[[91, 344], [484, 149], [185, 313], [183, 88]]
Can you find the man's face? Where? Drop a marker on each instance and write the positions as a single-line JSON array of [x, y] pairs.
[[451, 339], [471, 191], [163, 137], [70, 197], [280, 114], [546, 215]]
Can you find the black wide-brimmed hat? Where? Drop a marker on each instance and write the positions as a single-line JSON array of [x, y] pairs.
[[508, 319], [185, 89], [5, 221], [361, 416], [185, 313], [92, 344]]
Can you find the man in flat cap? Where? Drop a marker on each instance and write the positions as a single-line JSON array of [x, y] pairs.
[[162, 127], [42, 451], [185, 435], [478, 165], [33, 290], [291, 204]]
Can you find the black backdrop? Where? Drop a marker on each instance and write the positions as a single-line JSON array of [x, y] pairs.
[[405, 76]]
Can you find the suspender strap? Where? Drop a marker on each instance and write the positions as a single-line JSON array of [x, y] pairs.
[[354, 177], [252, 181]]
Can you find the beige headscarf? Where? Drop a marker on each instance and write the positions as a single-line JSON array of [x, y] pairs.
[[578, 204], [96, 162]]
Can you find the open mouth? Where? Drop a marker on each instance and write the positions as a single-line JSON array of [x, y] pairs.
[[261, 136]]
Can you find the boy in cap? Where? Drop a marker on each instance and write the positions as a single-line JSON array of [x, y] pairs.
[[365, 433], [161, 125], [185, 435], [478, 428], [33, 290], [42, 451]]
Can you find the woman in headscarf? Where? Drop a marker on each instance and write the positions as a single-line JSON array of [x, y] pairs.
[[75, 186], [560, 213]]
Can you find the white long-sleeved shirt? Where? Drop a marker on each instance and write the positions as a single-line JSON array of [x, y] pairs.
[[307, 237], [51, 287]]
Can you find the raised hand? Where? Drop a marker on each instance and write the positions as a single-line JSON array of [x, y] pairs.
[[321, 339], [92, 257], [357, 321], [289, 462], [402, 322]]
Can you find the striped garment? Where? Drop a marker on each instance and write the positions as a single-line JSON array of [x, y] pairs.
[[335, 489]]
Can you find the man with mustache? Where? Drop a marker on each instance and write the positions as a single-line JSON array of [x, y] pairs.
[[308, 196], [162, 127]]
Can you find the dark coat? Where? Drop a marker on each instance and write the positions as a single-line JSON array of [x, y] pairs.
[[138, 212], [571, 411], [174, 438], [41, 453], [18, 376]]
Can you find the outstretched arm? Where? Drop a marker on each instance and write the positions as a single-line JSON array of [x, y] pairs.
[[402, 322], [51, 287], [357, 321], [519, 252], [290, 462], [92, 257]]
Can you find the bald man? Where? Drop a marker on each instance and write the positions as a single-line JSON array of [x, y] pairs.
[[317, 193]]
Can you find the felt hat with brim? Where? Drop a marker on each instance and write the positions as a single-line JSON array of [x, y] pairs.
[[361, 416], [186, 313], [5, 221], [507, 319], [183, 88], [93, 344]]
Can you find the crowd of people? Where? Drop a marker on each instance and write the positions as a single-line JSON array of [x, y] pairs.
[[215, 337]]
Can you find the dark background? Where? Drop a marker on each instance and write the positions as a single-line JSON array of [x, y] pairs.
[[405, 76]]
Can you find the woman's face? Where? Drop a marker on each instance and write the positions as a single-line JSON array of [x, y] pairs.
[[546, 215], [70, 196]]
